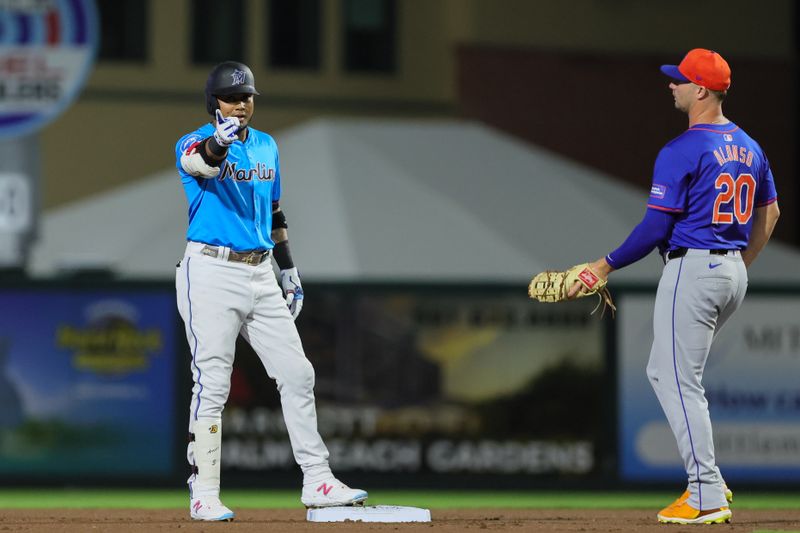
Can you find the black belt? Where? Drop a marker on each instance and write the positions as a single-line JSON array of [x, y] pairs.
[[680, 252]]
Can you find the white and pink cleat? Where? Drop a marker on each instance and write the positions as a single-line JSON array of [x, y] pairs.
[[209, 508], [331, 493]]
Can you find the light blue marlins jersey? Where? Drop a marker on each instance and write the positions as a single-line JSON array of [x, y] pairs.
[[233, 209]]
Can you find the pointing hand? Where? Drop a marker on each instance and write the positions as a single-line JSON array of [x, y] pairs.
[[226, 129]]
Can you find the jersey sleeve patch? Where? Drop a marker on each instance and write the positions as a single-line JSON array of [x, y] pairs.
[[658, 191], [190, 140]]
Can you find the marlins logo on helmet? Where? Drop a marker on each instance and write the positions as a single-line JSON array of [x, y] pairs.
[[238, 77]]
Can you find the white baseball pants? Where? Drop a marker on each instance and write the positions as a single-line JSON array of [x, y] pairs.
[[697, 294], [218, 300]]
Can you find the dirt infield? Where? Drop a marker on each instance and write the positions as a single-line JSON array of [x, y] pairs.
[[293, 520]]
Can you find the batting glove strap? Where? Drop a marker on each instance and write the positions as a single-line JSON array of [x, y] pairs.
[[292, 290]]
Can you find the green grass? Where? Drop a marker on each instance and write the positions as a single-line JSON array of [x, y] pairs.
[[282, 499]]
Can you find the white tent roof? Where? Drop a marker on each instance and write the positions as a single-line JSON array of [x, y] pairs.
[[390, 201]]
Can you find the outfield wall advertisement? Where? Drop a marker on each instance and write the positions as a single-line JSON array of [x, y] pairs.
[[87, 384], [752, 382], [421, 381]]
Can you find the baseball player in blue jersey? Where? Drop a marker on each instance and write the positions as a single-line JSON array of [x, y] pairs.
[[226, 287], [712, 208]]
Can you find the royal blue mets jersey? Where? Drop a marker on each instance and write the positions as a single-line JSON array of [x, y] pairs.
[[234, 209], [711, 177]]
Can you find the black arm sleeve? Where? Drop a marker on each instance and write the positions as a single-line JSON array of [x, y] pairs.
[[283, 257]]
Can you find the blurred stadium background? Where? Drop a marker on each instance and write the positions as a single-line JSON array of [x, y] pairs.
[[435, 154]]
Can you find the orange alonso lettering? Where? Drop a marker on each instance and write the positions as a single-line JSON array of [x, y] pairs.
[[734, 153]]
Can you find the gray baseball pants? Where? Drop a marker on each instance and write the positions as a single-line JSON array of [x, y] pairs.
[[697, 294]]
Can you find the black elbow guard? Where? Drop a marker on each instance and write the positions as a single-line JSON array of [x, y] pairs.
[[279, 221]]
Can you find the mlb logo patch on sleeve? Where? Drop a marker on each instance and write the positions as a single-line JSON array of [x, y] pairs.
[[658, 191]]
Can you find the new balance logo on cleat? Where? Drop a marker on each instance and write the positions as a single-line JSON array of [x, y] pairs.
[[331, 493], [209, 508]]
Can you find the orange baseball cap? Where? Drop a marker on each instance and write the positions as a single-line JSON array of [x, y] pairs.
[[701, 67]]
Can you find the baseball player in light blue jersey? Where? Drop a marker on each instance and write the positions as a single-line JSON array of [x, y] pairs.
[[712, 208], [226, 287]]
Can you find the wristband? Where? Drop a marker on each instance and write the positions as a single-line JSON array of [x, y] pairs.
[[214, 146]]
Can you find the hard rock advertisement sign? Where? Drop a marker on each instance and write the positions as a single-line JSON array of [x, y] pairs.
[[83, 374]]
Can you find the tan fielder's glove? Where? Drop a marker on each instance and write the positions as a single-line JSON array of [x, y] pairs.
[[553, 286]]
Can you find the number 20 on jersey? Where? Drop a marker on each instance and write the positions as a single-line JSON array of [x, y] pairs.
[[730, 190]]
